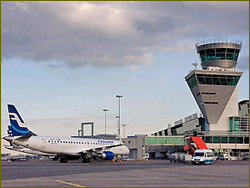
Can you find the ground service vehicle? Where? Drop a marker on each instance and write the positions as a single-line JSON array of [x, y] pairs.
[[203, 156], [145, 156], [246, 156], [224, 156]]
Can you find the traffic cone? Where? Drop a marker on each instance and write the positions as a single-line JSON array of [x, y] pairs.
[[112, 161], [120, 161]]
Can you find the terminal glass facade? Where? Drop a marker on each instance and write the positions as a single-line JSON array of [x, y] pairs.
[[213, 139], [239, 124], [226, 139]]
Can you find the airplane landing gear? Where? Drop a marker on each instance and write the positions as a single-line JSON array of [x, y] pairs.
[[86, 158], [63, 160]]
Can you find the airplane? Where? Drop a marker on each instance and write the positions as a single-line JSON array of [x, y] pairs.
[[65, 148]]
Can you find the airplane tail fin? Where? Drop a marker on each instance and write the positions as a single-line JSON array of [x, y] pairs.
[[17, 125]]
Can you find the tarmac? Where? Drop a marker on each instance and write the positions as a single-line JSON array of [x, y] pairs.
[[152, 173]]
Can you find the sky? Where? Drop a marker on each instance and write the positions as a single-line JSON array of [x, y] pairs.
[[62, 63]]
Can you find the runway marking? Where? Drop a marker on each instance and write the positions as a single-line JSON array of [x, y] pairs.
[[127, 179], [164, 178], [68, 183]]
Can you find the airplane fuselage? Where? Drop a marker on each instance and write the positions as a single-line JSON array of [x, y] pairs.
[[27, 150], [71, 146]]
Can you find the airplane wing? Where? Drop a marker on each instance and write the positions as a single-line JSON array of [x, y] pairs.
[[98, 150]]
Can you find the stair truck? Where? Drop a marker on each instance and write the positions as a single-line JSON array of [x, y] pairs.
[[197, 148]]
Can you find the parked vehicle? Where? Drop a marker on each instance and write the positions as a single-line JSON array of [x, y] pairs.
[[188, 158], [173, 157], [125, 158], [145, 156], [246, 156], [5, 157], [177, 157], [181, 157], [18, 158], [159, 155], [168, 154], [203, 156], [224, 156]]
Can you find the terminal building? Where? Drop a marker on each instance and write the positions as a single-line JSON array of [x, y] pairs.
[[223, 123]]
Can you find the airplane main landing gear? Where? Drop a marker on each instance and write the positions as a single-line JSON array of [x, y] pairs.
[[63, 160], [86, 158]]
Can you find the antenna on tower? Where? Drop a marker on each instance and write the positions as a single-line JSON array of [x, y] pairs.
[[195, 64]]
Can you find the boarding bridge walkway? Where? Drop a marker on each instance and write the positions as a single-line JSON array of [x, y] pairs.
[[165, 140]]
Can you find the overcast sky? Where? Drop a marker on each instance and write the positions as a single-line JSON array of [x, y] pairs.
[[63, 62]]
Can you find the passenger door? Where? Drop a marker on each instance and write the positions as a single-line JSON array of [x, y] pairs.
[[43, 142]]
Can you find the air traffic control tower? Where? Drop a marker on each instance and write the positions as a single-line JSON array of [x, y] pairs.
[[214, 87]]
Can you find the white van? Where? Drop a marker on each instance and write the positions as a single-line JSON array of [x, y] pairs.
[[145, 156], [203, 156]]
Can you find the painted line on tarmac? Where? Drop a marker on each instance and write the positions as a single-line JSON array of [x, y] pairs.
[[68, 183], [170, 178]]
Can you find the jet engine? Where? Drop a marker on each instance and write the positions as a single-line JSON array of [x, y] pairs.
[[108, 155]]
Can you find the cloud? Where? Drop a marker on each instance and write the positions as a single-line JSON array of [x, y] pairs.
[[113, 33]]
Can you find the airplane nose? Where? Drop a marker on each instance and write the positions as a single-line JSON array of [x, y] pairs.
[[127, 150]]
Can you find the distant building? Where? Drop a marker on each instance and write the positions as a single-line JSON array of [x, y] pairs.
[[244, 108]]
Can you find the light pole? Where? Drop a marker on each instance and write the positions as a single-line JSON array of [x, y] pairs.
[[124, 125], [119, 116], [105, 110]]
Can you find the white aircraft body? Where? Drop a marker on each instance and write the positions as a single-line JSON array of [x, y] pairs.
[[65, 148], [26, 150]]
